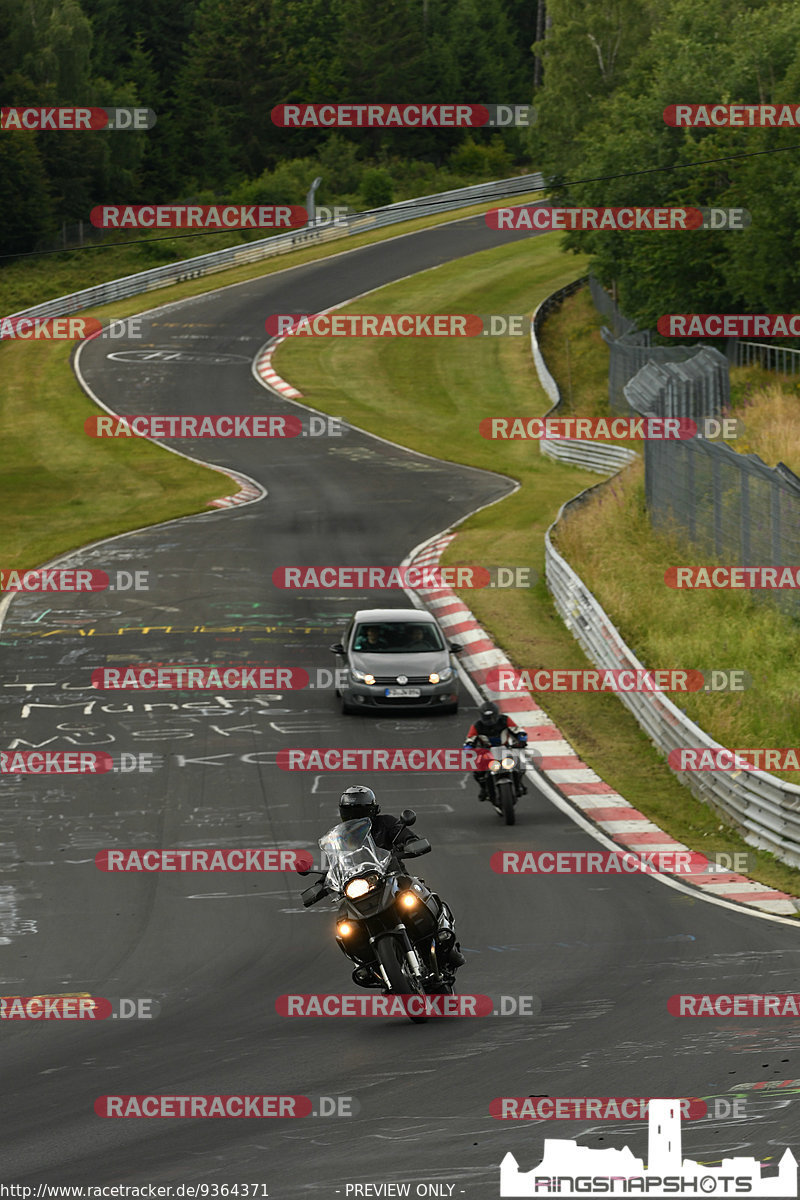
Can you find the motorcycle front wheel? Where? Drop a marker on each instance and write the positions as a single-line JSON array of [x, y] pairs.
[[505, 798], [402, 982]]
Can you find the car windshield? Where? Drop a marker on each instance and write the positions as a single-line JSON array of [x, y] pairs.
[[397, 637], [350, 850]]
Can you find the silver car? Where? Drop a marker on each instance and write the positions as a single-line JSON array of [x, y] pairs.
[[397, 658]]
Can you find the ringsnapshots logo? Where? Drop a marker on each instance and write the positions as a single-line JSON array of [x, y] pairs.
[[569, 1170], [402, 116], [72, 120], [540, 218], [397, 325], [198, 216]]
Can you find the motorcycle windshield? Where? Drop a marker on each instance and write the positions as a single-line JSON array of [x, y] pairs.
[[350, 850]]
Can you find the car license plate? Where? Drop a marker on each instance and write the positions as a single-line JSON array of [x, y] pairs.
[[398, 693]]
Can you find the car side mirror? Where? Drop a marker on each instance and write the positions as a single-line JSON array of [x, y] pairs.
[[337, 648], [408, 816], [455, 648]]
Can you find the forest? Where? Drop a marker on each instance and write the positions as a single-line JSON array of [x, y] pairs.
[[599, 72]]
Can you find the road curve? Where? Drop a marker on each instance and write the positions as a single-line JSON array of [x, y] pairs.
[[601, 955]]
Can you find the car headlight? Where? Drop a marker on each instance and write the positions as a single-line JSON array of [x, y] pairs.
[[494, 765], [360, 887], [441, 676], [508, 763], [360, 677]]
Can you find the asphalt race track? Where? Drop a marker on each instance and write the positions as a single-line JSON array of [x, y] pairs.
[[601, 954]]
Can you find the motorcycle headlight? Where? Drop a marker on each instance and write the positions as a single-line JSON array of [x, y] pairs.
[[344, 928], [494, 765], [408, 899], [359, 887], [508, 763]]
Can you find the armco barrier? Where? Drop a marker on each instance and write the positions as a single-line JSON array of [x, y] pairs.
[[601, 457], [765, 809], [282, 243]]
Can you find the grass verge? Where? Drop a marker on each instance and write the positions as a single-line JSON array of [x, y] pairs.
[[430, 396], [62, 489]]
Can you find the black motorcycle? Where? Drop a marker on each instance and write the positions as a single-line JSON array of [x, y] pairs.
[[389, 923], [504, 775]]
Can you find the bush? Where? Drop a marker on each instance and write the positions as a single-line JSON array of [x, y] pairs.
[[376, 188]]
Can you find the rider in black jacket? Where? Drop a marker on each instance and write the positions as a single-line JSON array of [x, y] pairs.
[[389, 833]]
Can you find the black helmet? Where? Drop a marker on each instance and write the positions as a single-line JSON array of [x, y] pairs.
[[358, 801], [490, 715]]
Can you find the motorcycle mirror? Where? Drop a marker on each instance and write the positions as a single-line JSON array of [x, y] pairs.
[[337, 648], [408, 816]]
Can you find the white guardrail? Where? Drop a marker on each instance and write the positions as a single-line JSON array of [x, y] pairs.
[[763, 808], [601, 457], [282, 243]]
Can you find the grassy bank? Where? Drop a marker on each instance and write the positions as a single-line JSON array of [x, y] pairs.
[[431, 396], [63, 489]]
